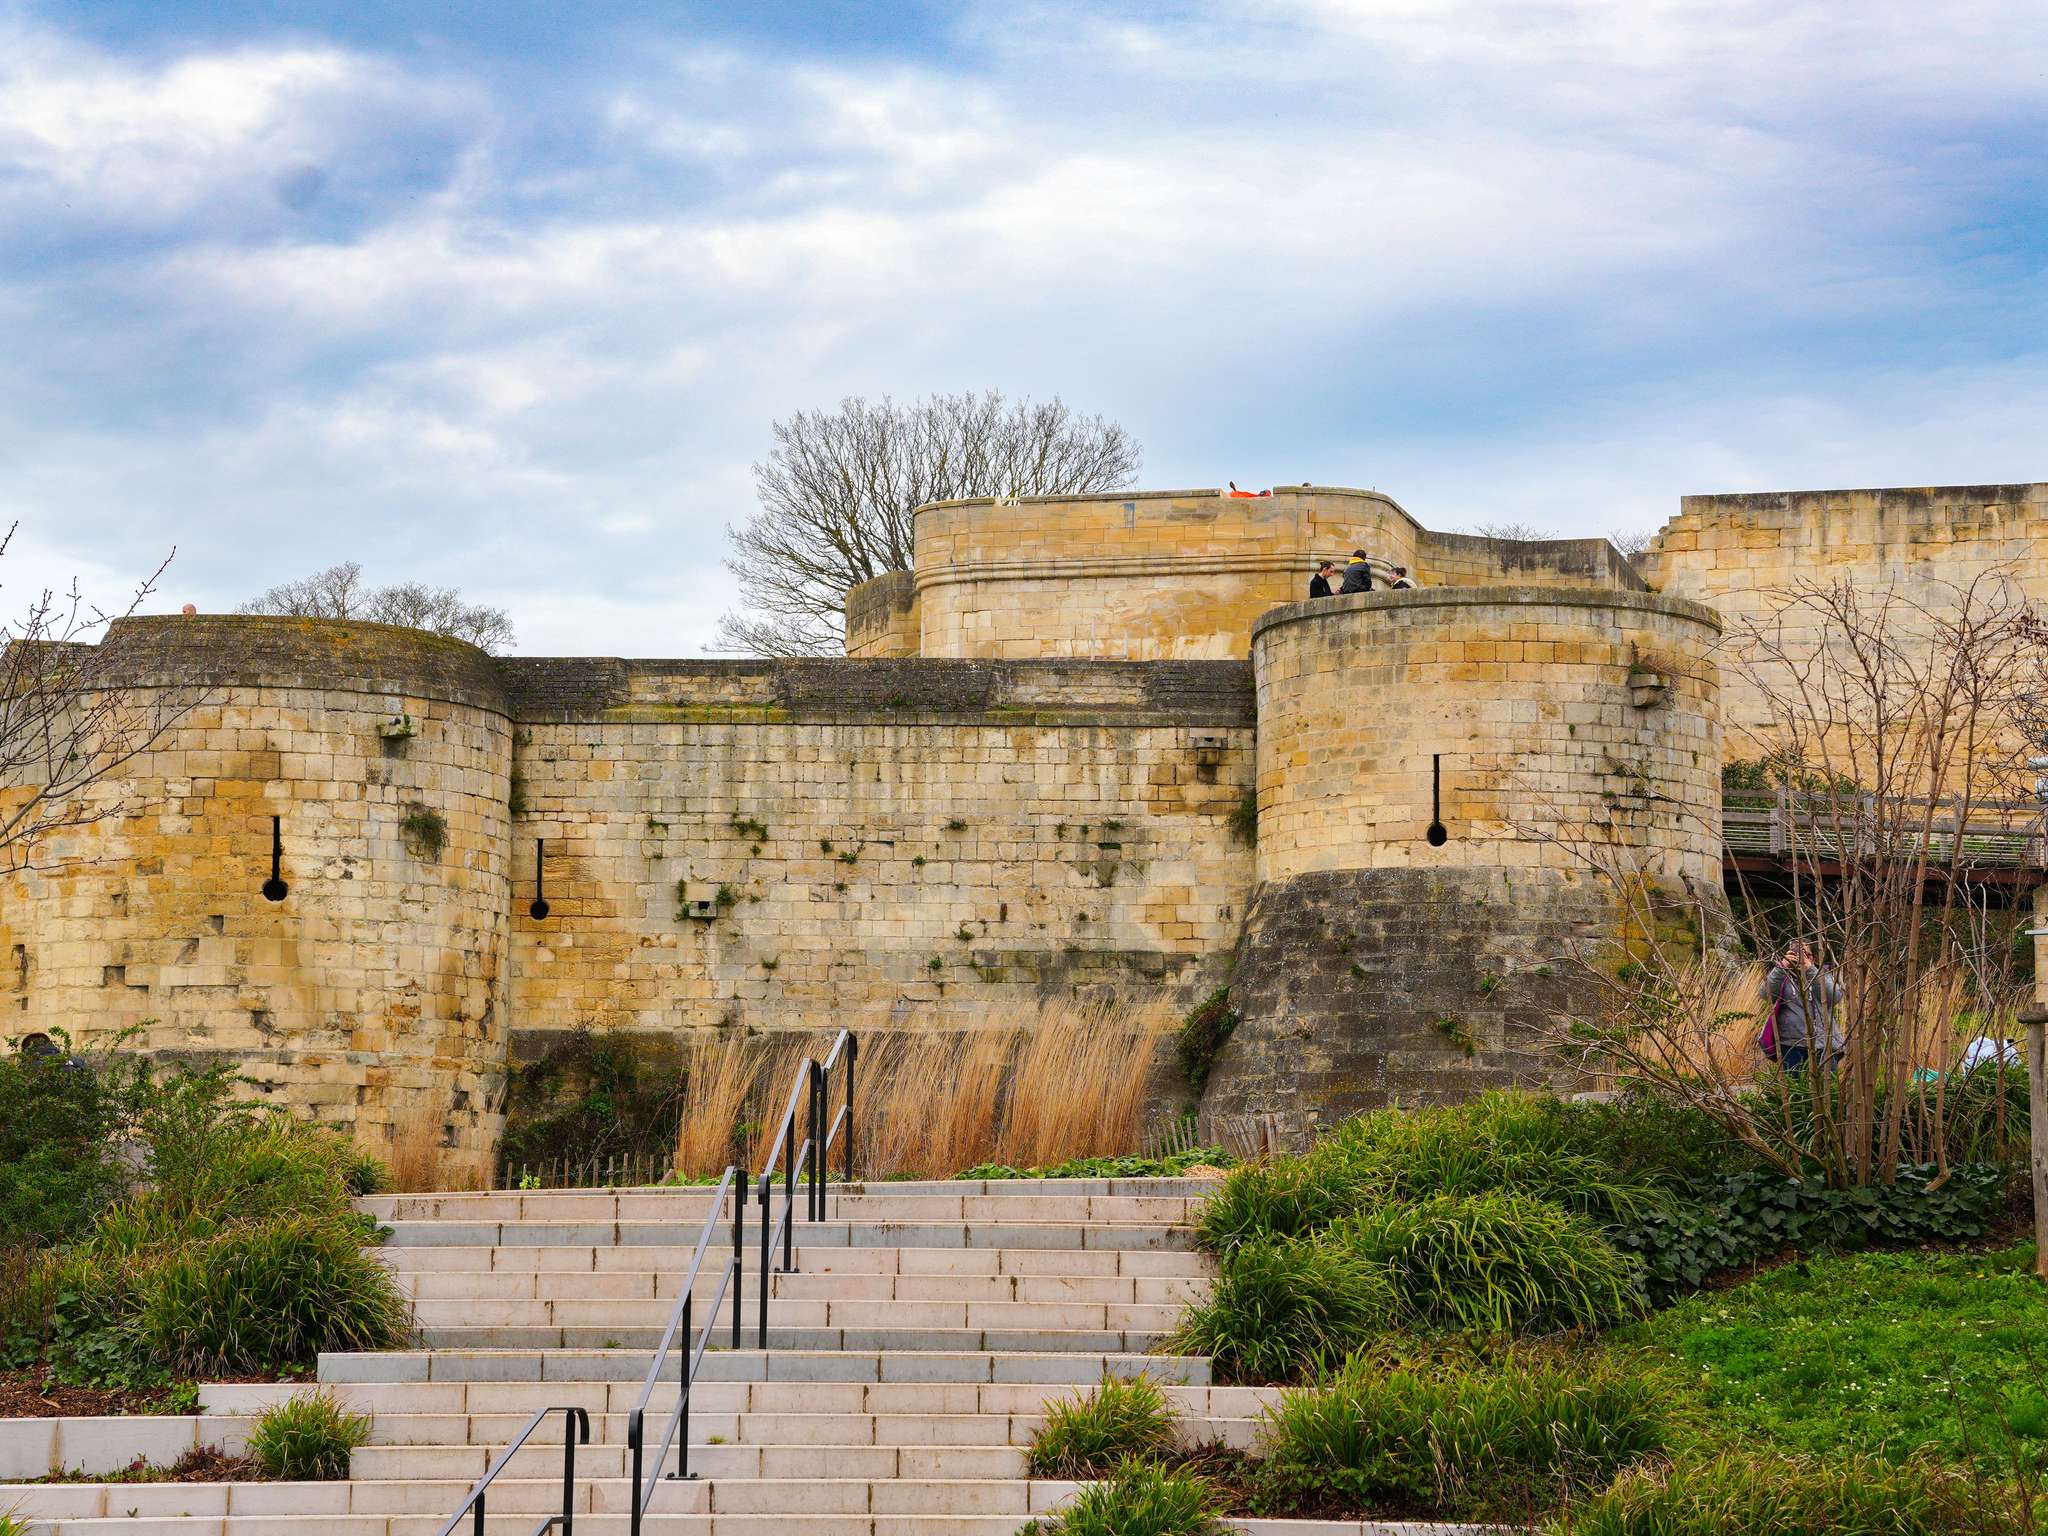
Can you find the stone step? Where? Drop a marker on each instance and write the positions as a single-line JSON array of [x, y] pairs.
[[659, 1524], [589, 1312], [916, 1341], [535, 1495], [462, 1285], [810, 1235], [827, 1365], [633, 1199], [659, 1258], [517, 1399], [680, 1207]]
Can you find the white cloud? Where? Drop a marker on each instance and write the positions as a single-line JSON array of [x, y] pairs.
[[1615, 235]]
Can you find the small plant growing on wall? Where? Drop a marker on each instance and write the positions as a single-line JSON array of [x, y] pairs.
[[425, 830], [1202, 1035], [515, 796], [956, 825], [772, 963], [964, 934], [918, 862], [1454, 1031], [935, 964], [824, 845], [1243, 819], [727, 897], [848, 856]]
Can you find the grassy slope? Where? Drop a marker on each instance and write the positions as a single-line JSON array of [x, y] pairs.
[[1883, 1353]]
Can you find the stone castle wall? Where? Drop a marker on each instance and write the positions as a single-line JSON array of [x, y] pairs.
[[1558, 739], [875, 844], [1012, 793], [1137, 576], [1739, 553], [374, 990]]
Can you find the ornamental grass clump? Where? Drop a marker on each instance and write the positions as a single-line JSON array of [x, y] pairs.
[[1499, 1262], [1281, 1311], [1091, 1436], [1464, 1440], [1799, 1496], [308, 1439], [1138, 1499], [258, 1296]]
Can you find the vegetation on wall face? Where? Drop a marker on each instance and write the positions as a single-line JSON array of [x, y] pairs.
[[425, 830], [1203, 1034], [594, 1095]]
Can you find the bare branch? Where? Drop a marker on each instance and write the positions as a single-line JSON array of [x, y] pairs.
[[837, 492]]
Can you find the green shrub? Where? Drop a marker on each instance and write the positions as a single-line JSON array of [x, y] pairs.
[[1167, 1165], [1282, 1198], [1503, 1140], [1089, 1436], [1460, 1442], [1281, 1311], [261, 1296], [1498, 1263], [61, 1127], [1203, 1034], [307, 1439], [1743, 1218], [1511, 1141], [1648, 1137], [1838, 1496], [1138, 1500]]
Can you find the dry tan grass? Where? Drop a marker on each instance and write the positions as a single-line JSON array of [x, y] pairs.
[[416, 1155], [1063, 1082], [720, 1082], [1067, 1082]]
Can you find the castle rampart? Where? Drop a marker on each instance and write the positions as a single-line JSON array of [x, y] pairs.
[[1448, 780], [1025, 786]]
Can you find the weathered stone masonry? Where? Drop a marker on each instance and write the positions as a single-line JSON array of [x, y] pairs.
[[1021, 787]]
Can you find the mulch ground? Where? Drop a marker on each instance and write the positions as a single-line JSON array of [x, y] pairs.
[[34, 1395], [207, 1464]]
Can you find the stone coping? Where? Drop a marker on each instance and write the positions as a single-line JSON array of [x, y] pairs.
[[1221, 493], [1486, 597]]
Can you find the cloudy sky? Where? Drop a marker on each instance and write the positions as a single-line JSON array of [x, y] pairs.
[[505, 294]]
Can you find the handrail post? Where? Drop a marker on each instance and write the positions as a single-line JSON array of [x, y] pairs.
[[477, 1525], [817, 1142], [788, 1192], [739, 1255], [767, 1261], [852, 1055], [569, 1470], [683, 1386], [636, 1435]]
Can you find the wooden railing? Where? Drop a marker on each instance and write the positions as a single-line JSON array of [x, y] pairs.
[[2005, 834]]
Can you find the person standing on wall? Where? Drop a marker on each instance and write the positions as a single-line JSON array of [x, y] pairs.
[[1319, 584], [1358, 574], [1803, 996]]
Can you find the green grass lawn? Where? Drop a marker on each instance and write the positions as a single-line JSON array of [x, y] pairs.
[[1882, 1353]]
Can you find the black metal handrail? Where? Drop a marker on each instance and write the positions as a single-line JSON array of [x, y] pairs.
[[573, 1421], [646, 1474], [846, 1048], [795, 1160]]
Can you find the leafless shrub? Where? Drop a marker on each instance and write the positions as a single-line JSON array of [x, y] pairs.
[[71, 716], [338, 593], [1898, 728]]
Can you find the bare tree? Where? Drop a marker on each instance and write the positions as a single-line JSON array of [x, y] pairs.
[[1891, 769], [1633, 544], [837, 491], [1521, 533], [338, 593], [71, 715]]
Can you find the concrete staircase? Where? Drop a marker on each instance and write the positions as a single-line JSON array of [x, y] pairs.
[[911, 1356]]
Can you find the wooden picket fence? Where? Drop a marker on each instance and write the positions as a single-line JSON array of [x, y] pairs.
[[616, 1170]]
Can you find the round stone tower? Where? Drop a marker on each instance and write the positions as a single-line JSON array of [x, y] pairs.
[[1449, 783], [303, 878]]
